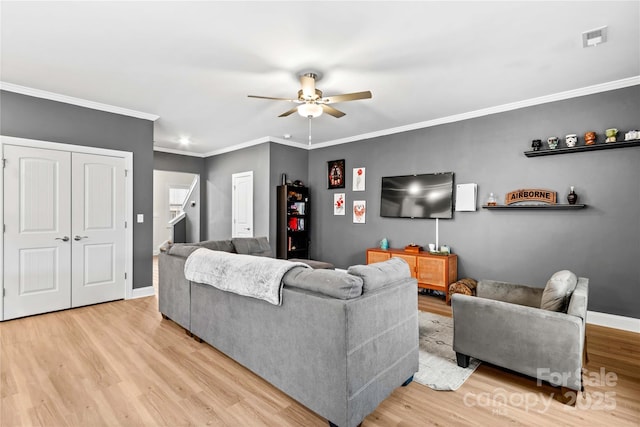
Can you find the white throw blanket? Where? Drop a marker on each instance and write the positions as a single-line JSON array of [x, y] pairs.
[[247, 275]]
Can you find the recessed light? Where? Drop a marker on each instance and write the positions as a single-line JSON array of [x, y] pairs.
[[287, 136], [184, 140]]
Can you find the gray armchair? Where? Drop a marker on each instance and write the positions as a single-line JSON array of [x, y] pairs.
[[504, 325]]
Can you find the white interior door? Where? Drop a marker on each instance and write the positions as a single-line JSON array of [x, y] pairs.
[[242, 204], [98, 212], [37, 252]]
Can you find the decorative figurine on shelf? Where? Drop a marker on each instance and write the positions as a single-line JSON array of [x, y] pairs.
[[631, 135], [572, 197], [589, 138], [571, 140], [553, 142], [384, 243], [611, 135], [492, 201], [536, 144], [445, 249]]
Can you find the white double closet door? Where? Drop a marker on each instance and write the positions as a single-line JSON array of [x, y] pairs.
[[64, 241]]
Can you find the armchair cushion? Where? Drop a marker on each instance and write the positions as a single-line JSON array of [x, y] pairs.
[[513, 293], [557, 292]]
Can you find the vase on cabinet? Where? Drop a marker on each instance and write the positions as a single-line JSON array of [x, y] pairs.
[[572, 197]]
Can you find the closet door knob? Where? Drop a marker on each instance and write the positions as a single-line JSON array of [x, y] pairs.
[[64, 239], [77, 238]]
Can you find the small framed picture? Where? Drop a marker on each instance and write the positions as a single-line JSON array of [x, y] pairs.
[[358, 179], [339, 202], [359, 211], [335, 174]]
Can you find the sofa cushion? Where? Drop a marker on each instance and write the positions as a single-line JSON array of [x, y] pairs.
[[379, 274], [258, 246], [557, 292], [337, 284], [182, 250], [217, 245]]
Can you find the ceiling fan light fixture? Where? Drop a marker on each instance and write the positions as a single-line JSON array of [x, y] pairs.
[[310, 110]]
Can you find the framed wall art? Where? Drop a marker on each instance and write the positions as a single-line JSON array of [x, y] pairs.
[[359, 211], [335, 174], [339, 207], [358, 179]]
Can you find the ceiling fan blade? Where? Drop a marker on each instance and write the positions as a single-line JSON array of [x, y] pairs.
[[308, 84], [332, 111], [287, 113], [272, 98], [347, 97]]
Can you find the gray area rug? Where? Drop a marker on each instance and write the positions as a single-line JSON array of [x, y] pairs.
[[438, 368]]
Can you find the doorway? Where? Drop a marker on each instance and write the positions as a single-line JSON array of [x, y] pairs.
[[174, 194], [242, 204]]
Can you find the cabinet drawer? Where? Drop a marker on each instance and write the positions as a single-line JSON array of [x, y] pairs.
[[432, 271], [373, 256]]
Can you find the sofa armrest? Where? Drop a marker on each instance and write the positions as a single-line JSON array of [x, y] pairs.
[[174, 293], [510, 292], [579, 299], [539, 343]]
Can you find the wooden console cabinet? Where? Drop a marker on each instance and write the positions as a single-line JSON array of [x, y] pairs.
[[432, 271]]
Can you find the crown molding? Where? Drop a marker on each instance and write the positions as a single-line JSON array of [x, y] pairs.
[[10, 87], [256, 142], [560, 96], [180, 152]]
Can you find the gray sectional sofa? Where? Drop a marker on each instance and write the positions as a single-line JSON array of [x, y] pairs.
[[339, 343]]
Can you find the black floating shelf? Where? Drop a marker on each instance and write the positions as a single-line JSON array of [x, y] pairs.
[[581, 148], [539, 207]]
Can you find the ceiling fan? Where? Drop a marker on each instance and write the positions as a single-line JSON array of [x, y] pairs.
[[312, 103]]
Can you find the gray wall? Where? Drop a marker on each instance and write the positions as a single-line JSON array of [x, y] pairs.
[[179, 163], [601, 242], [218, 171], [34, 118], [295, 163]]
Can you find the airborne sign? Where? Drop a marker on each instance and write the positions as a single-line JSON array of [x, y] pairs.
[[531, 195]]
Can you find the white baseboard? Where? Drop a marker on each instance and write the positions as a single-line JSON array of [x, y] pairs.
[[147, 291], [613, 321]]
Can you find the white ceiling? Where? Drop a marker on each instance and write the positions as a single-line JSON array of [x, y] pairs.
[[194, 63]]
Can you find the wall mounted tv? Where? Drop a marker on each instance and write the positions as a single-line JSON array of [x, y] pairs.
[[417, 196]]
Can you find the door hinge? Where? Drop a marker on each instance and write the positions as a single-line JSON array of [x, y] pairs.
[[125, 276], [125, 224], [4, 292], [4, 163], [4, 228], [126, 172]]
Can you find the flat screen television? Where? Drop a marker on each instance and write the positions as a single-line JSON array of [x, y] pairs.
[[417, 196]]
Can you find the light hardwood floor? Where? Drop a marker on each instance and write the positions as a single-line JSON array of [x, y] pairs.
[[121, 364]]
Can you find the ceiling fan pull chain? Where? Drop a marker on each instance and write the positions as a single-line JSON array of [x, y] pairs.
[[309, 130]]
